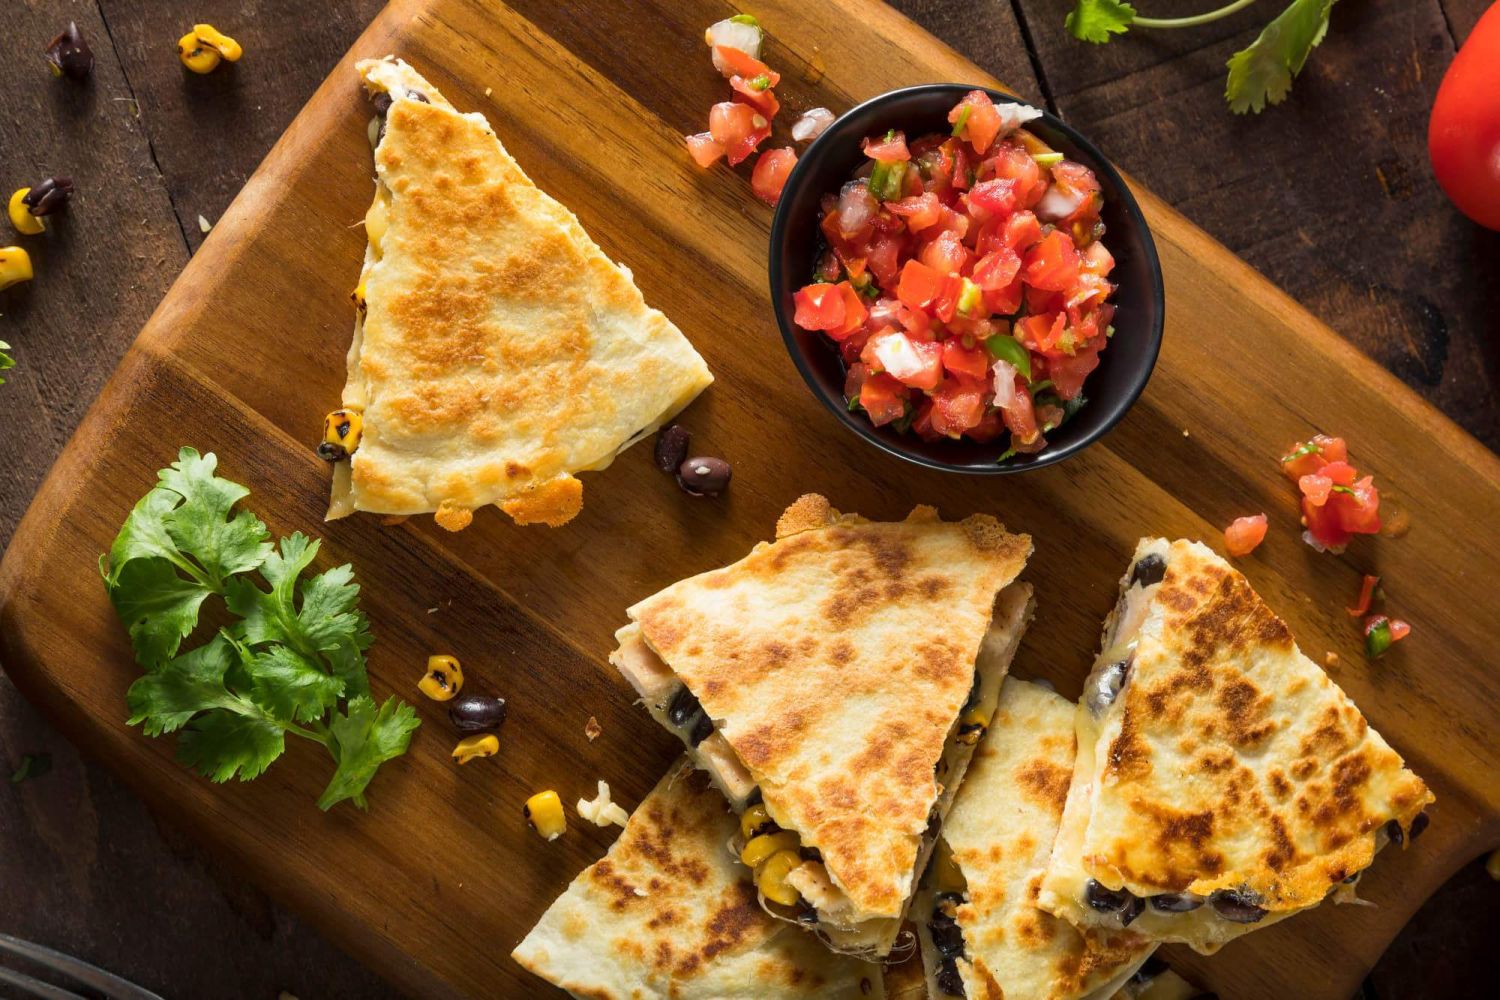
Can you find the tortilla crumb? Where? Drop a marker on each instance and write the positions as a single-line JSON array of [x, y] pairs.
[[1330, 659], [592, 729]]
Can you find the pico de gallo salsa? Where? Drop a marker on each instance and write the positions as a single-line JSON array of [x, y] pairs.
[[1337, 503], [964, 280]]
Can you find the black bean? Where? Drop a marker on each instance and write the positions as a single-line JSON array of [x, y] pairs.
[[683, 706], [330, 452], [671, 447], [1175, 902], [474, 713], [69, 55], [1152, 967], [1150, 569], [1237, 905], [946, 936], [1105, 684], [1122, 902], [381, 102], [808, 916], [48, 196], [1418, 825], [704, 476], [702, 730], [1350, 880], [949, 980]]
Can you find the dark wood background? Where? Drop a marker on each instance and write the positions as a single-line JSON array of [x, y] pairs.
[[1330, 195]]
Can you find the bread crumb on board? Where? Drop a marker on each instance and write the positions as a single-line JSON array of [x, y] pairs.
[[592, 729]]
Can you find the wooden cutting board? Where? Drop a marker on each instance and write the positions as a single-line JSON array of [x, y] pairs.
[[440, 880]]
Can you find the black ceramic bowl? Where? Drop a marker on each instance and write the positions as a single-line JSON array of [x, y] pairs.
[[1124, 366]]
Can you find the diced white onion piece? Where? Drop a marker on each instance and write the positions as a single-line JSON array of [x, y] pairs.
[[1013, 116], [885, 312], [731, 34], [812, 124], [601, 811], [1058, 204], [897, 355], [1005, 383], [857, 206]]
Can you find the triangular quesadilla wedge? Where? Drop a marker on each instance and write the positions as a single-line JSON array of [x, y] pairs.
[[1223, 782], [670, 913], [833, 683], [982, 935], [496, 351]]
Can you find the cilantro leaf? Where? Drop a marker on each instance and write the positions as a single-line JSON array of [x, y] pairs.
[[363, 740], [1095, 20], [166, 699], [222, 744], [221, 545], [289, 686], [1262, 73], [159, 607], [6, 361]]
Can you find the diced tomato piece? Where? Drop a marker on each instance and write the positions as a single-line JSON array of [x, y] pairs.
[[1244, 534], [1315, 488], [946, 306], [1399, 629], [1022, 231], [917, 363], [852, 346], [770, 173], [922, 420], [741, 63], [854, 379], [1053, 263], [1039, 300], [883, 398], [916, 322], [972, 361], [1312, 455], [704, 149], [1020, 418], [1097, 259], [889, 148], [981, 120], [1080, 186], [819, 307], [884, 259], [1005, 301], [945, 253], [762, 99], [992, 198], [1341, 473], [1366, 594], [1011, 162], [1041, 332], [920, 211], [920, 284], [996, 270], [737, 127], [990, 427], [1323, 526], [957, 406], [855, 312], [1358, 511], [1068, 373]]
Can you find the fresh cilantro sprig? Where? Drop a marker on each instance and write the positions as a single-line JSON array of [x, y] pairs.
[[6, 361], [1260, 74], [291, 660]]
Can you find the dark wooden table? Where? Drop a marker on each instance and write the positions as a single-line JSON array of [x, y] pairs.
[[1330, 195]]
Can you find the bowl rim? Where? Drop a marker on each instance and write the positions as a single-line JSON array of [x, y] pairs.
[[780, 224]]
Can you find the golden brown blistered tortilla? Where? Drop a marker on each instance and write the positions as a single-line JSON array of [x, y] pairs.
[[834, 661], [1000, 832], [498, 351], [1228, 761], [669, 912]]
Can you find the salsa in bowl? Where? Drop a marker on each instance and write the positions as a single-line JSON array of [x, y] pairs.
[[965, 281]]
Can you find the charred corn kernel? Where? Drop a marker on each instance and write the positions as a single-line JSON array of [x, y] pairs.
[[758, 849], [358, 295], [202, 49], [479, 745], [443, 679], [377, 220], [771, 879], [971, 725], [544, 811], [756, 821], [20, 214], [15, 266], [342, 430]]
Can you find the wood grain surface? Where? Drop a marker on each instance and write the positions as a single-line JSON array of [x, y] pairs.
[[201, 174]]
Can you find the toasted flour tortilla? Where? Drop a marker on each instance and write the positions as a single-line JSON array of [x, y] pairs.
[[999, 836], [670, 913], [833, 664], [1227, 763], [498, 352]]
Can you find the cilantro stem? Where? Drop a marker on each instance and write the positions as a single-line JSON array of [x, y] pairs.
[[1194, 20]]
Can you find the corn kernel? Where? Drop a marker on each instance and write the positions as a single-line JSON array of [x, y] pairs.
[[758, 849], [15, 266], [202, 49], [20, 214], [771, 879], [478, 745], [756, 821], [544, 811], [443, 679], [342, 430], [226, 46], [358, 295]]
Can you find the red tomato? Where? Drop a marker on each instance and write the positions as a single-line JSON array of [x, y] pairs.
[[1097, 259], [819, 307], [996, 270], [1309, 457], [1020, 419], [920, 285], [981, 120], [917, 363], [1080, 185], [992, 198], [1041, 332], [920, 211], [883, 398], [854, 379], [1323, 526], [762, 99], [1244, 534], [922, 420], [1359, 511], [957, 406], [1022, 231], [737, 127], [946, 253], [703, 149], [770, 173], [741, 63], [855, 312], [888, 149], [1052, 265], [1399, 629], [1315, 488], [1340, 473], [1013, 163], [1067, 373], [1463, 136], [990, 427], [1005, 301], [884, 259], [973, 362]]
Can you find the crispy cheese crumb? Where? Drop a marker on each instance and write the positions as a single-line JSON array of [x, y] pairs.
[[1330, 659], [640, 892], [488, 91], [601, 811], [592, 729]]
